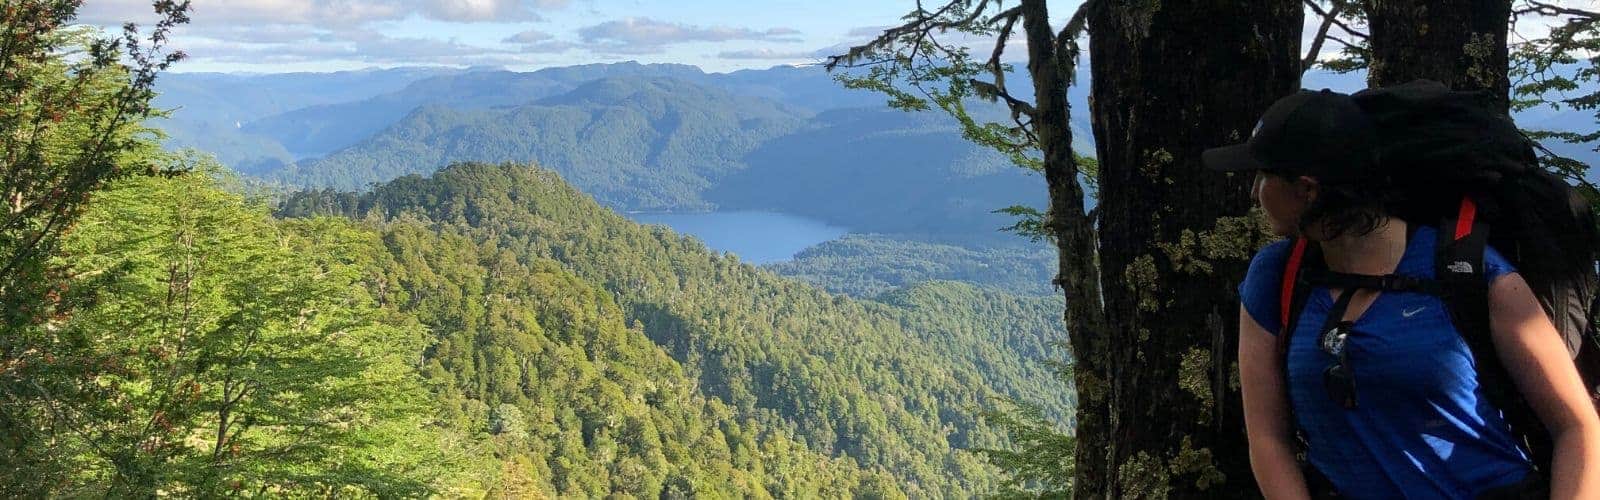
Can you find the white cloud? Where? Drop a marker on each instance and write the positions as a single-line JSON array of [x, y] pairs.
[[530, 36], [480, 10], [867, 31], [535, 41], [321, 12], [309, 31], [769, 54], [636, 35]]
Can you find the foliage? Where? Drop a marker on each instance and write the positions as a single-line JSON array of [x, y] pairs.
[[871, 383], [1039, 464], [70, 119], [866, 265], [73, 100], [1552, 71], [215, 351], [574, 399], [918, 71]]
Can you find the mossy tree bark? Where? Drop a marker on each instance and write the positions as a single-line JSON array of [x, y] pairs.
[[1159, 404], [1461, 43]]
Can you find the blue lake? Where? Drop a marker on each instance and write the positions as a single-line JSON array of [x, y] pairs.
[[756, 237]]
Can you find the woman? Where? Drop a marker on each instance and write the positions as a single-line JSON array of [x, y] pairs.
[[1417, 424]]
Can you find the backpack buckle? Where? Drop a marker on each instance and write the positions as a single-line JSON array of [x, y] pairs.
[[1401, 283]]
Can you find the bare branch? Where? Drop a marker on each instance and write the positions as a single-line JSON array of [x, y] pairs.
[[1344, 42], [1018, 106], [1010, 16], [1549, 9], [1328, 18]]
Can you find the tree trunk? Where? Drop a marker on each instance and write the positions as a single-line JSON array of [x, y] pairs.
[[1461, 43], [1159, 416], [1073, 231]]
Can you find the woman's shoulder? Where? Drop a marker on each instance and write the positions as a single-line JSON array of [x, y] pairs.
[[1272, 256], [1259, 290]]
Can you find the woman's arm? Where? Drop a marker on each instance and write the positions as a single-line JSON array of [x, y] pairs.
[[1266, 413], [1536, 357]]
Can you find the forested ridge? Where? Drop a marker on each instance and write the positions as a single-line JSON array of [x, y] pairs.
[[894, 388], [866, 265], [642, 143]]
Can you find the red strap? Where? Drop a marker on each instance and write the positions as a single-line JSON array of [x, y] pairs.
[[1469, 211], [1291, 273]]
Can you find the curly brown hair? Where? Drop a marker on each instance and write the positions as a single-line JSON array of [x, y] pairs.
[[1354, 208]]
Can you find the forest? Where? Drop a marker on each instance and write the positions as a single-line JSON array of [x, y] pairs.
[[425, 285]]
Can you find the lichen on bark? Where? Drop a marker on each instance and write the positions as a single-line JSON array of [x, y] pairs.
[[1194, 376]]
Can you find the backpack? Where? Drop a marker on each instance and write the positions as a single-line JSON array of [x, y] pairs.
[[1472, 173]]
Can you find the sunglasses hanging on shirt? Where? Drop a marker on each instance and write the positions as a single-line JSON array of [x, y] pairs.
[[1338, 378]]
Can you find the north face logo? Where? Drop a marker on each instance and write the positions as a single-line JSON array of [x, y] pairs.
[[1460, 266]]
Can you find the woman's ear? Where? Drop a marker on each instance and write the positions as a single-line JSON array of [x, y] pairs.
[[1306, 187]]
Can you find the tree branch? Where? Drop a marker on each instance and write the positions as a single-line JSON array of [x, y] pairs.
[[1549, 9], [1328, 18], [1066, 48], [920, 25], [1010, 16]]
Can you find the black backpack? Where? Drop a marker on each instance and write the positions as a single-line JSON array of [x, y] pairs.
[[1472, 173]]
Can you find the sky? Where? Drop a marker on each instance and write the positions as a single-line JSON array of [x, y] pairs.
[[330, 35], [272, 36]]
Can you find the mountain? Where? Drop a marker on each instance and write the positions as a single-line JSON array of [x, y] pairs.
[[645, 144], [207, 110], [319, 128], [883, 171], [891, 386], [668, 144], [322, 129]]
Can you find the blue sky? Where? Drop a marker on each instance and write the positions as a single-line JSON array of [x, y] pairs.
[[716, 35], [326, 35]]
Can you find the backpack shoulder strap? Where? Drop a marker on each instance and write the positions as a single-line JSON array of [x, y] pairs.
[[1292, 300], [1459, 266], [1294, 289]]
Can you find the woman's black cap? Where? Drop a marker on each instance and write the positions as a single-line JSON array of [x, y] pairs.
[[1322, 134]]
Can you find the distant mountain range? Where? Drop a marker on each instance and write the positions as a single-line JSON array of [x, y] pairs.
[[637, 137], [657, 137]]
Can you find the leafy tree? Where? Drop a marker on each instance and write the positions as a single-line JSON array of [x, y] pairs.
[[73, 104], [215, 351], [1040, 464], [71, 120], [1148, 275]]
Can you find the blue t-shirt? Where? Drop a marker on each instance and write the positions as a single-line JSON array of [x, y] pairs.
[[1422, 427]]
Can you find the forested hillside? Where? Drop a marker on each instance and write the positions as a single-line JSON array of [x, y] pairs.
[[637, 143], [569, 397], [866, 265], [890, 387], [321, 129]]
